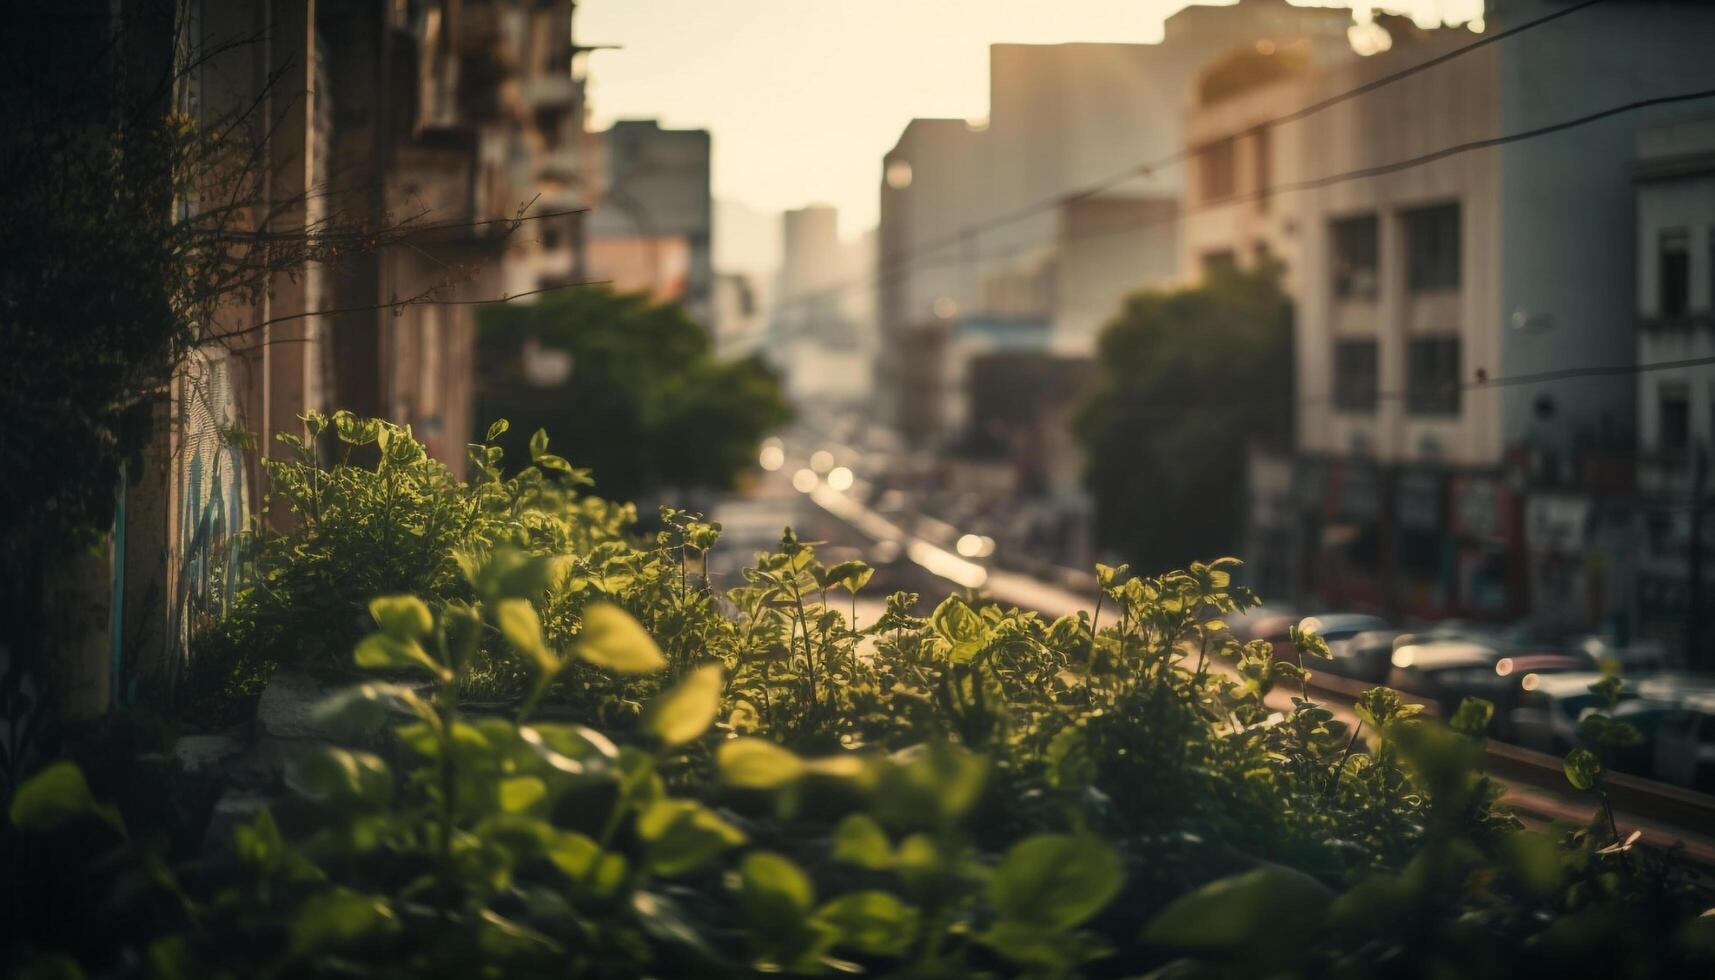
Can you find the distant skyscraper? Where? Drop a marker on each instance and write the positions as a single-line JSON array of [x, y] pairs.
[[653, 228]]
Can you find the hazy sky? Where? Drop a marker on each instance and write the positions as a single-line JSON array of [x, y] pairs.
[[804, 96]]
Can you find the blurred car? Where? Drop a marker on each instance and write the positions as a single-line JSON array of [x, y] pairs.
[[1270, 617], [1443, 672], [1334, 627], [1366, 656], [1507, 687], [1685, 744], [1341, 626]]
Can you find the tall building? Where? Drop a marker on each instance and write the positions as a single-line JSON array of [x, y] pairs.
[[816, 335], [1675, 241], [418, 159], [653, 226], [968, 208], [1451, 304]]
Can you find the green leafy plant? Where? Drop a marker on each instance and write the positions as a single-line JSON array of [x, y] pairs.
[[565, 751]]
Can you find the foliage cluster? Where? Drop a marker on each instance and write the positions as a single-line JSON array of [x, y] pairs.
[[384, 517], [1187, 379], [677, 780], [647, 405]]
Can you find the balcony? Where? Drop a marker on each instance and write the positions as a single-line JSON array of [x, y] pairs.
[[550, 90]]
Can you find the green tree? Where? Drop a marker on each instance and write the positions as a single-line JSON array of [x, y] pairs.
[[1187, 379], [645, 405]]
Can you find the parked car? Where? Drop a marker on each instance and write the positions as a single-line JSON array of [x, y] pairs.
[[1335, 627], [1366, 656], [1263, 622], [1442, 671], [1685, 744], [1550, 706], [1505, 689], [1342, 626]]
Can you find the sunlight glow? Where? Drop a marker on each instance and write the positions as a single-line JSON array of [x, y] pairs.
[[840, 478], [772, 458], [805, 480]]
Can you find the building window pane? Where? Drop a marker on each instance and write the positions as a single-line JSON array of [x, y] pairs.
[[1432, 248], [1354, 260], [1675, 260], [1264, 163], [1355, 375], [1432, 376], [1673, 418], [1216, 167]]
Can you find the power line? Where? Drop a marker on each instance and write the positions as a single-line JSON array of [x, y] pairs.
[[1179, 156], [1316, 183]]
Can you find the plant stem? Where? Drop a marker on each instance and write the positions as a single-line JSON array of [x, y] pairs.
[[1334, 774]]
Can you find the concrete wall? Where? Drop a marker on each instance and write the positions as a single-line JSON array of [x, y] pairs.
[[1569, 207], [657, 184], [1106, 249]]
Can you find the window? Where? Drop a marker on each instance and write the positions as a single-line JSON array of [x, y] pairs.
[[1432, 376], [1673, 418], [1355, 375], [1674, 256], [1432, 248], [1264, 175], [1354, 259], [1216, 170]]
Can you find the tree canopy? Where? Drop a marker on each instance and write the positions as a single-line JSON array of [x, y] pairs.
[[1187, 379], [646, 403]]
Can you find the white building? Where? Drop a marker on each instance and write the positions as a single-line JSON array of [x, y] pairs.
[[1676, 300], [1436, 244]]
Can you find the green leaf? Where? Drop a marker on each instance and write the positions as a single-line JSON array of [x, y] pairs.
[[403, 617], [497, 430], [962, 632], [930, 785], [860, 841], [378, 651], [1036, 945], [337, 917], [681, 836], [55, 796], [684, 713], [776, 876], [776, 897], [1583, 769], [754, 763], [850, 575], [335, 775], [1055, 880], [1309, 642], [502, 938], [872, 922], [1472, 716], [1243, 911], [522, 628], [520, 793], [611, 638], [538, 443], [572, 853], [510, 573], [362, 709]]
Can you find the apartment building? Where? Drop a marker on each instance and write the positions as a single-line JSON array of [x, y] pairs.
[[1454, 277], [1675, 186], [652, 229], [426, 157]]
